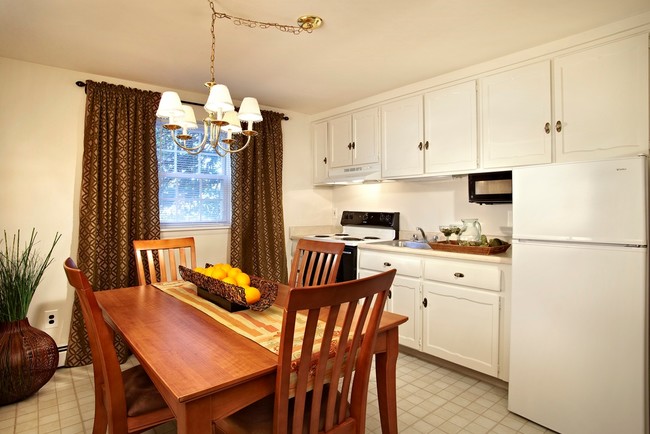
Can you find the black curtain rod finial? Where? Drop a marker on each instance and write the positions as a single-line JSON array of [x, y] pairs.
[[81, 83]]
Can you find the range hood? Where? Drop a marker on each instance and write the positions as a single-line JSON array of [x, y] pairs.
[[355, 174]]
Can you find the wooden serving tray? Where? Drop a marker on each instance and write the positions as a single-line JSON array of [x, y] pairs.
[[452, 246]]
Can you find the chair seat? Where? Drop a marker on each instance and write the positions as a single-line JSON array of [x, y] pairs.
[[141, 395]]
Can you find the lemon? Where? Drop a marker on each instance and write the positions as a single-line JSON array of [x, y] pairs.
[[233, 272], [252, 294], [229, 280], [226, 267], [243, 279]]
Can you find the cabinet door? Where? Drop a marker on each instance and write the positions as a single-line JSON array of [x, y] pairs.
[[601, 100], [515, 116], [402, 143], [450, 129], [389, 300], [340, 141], [320, 152], [365, 133], [405, 300], [461, 325]]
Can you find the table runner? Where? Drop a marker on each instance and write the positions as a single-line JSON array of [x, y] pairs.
[[263, 328]]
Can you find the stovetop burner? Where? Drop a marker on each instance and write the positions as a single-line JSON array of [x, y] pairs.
[[322, 236], [371, 238], [340, 235], [352, 239], [358, 227]]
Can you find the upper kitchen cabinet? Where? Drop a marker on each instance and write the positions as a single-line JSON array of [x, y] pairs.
[[599, 107], [431, 135], [516, 116], [601, 101], [321, 154], [354, 139]]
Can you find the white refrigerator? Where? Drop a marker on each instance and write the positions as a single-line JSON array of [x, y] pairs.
[[579, 312]]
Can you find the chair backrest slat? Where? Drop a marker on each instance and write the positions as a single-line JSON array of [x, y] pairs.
[[164, 262], [315, 263]]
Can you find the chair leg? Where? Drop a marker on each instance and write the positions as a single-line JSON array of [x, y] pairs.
[[100, 422]]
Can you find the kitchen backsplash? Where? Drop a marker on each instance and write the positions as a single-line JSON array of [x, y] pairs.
[[425, 204]]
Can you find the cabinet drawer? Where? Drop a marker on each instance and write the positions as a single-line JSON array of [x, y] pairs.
[[378, 261], [464, 273]]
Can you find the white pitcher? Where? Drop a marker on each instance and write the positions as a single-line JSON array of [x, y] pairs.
[[471, 231]]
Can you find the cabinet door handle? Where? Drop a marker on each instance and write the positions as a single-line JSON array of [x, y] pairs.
[[349, 145], [426, 145], [390, 294], [387, 264], [558, 126], [420, 146], [547, 127], [458, 275], [325, 160], [354, 146], [424, 302]]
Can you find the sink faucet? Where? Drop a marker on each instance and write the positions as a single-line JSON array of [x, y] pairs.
[[424, 236]]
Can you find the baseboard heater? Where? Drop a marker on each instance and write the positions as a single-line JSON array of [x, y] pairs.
[[63, 353]]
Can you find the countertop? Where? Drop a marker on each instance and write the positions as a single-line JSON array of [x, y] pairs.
[[501, 258]]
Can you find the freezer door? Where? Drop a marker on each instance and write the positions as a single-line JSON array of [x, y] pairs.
[[594, 202], [579, 337]]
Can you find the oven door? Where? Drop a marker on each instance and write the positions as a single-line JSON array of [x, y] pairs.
[[348, 267]]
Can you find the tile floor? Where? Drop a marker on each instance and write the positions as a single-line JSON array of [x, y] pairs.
[[431, 399]]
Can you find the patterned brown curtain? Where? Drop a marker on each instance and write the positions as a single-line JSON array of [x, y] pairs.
[[257, 230], [119, 195]]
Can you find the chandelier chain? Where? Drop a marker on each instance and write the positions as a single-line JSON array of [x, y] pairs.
[[238, 21]]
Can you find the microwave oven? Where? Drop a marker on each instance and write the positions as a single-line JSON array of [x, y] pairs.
[[490, 187]]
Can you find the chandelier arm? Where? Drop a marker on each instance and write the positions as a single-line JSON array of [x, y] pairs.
[[192, 150], [234, 151]]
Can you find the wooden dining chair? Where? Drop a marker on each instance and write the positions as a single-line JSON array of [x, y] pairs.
[[163, 258], [125, 402], [315, 263], [320, 405]]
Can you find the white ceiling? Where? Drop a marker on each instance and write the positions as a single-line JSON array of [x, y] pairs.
[[365, 47]]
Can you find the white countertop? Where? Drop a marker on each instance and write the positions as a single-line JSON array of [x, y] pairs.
[[501, 258]]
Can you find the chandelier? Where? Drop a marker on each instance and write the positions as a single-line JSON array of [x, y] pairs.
[[222, 116]]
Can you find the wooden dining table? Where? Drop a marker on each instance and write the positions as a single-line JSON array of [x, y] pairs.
[[206, 371]]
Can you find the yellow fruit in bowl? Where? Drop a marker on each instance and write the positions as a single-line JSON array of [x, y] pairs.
[[229, 280], [226, 267], [243, 279], [200, 270], [217, 273], [233, 272], [252, 294]]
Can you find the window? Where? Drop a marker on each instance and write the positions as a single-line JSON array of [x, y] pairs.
[[194, 189]]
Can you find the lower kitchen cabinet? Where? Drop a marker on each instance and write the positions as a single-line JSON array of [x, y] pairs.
[[404, 293], [458, 309], [461, 325]]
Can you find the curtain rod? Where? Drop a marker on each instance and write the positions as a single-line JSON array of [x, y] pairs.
[[83, 84]]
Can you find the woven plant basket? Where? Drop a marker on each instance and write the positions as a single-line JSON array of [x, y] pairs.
[[28, 359]]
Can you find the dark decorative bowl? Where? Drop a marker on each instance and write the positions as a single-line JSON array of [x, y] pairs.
[[233, 295]]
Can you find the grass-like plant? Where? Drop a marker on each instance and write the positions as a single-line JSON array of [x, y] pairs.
[[20, 273]]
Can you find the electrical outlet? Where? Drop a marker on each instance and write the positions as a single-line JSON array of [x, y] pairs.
[[51, 318]]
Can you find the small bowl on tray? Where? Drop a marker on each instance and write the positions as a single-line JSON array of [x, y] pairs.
[[230, 297]]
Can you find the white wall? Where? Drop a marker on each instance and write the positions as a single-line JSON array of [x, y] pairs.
[[41, 148]]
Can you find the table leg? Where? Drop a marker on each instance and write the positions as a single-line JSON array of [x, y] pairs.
[[194, 417], [386, 372]]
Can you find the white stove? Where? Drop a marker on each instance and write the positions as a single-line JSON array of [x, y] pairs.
[[360, 227]]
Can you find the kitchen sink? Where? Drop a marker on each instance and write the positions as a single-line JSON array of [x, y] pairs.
[[411, 244]]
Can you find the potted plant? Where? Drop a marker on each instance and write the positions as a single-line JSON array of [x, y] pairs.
[[28, 356]]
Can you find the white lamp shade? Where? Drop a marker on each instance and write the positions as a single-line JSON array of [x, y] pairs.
[[249, 110], [233, 122], [170, 105], [219, 99], [189, 119]]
